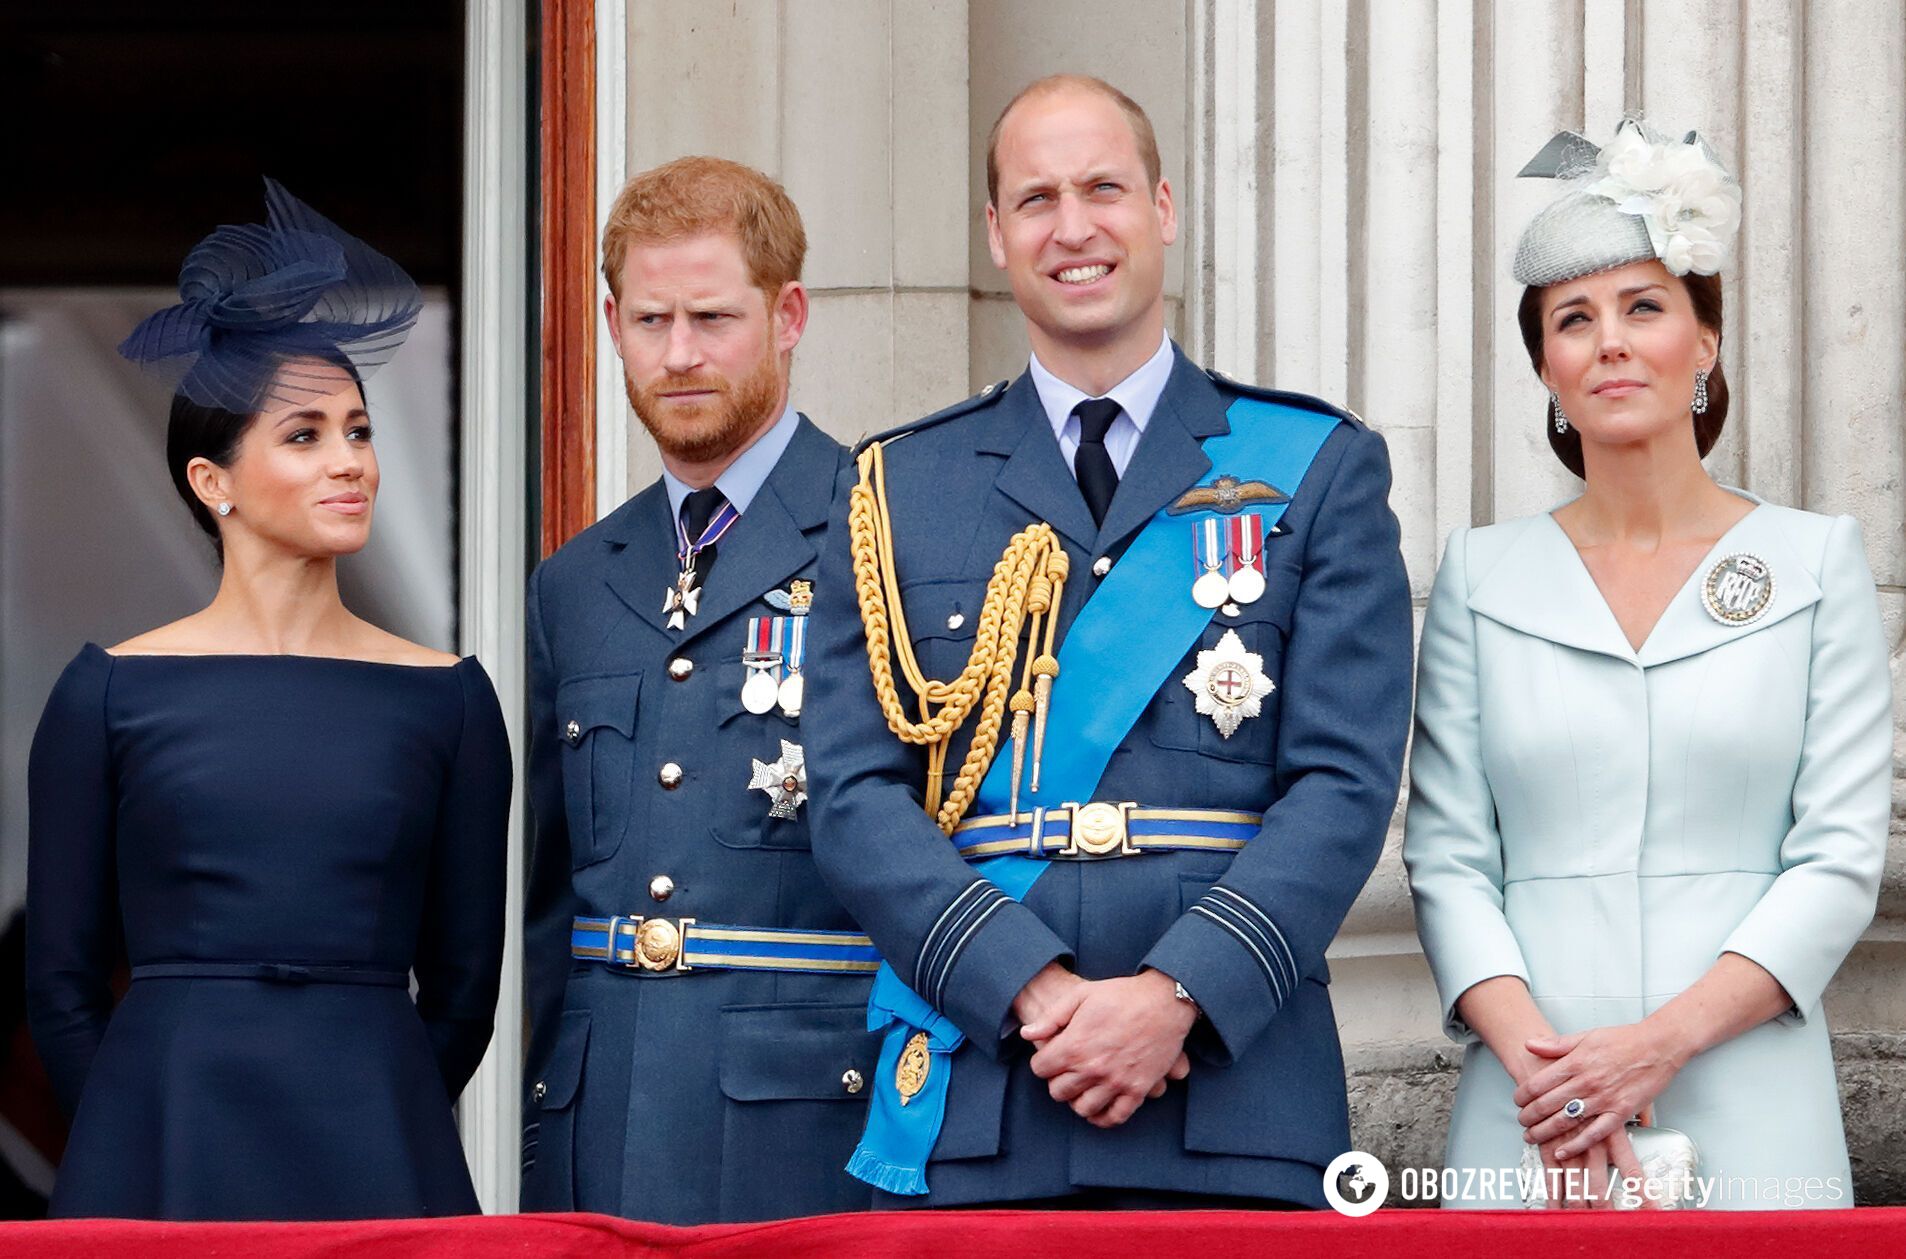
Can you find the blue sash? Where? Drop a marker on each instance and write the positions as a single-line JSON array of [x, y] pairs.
[[1118, 652]]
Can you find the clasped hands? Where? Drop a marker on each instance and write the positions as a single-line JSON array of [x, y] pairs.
[[1616, 1072], [1104, 1046]]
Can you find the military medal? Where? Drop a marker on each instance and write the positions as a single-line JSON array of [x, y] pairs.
[[784, 780], [1247, 554], [793, 630], [763, 657], [1229, 683], [758, 692], [776, 650], [1208, 549], [1738, 590], [684, 597]]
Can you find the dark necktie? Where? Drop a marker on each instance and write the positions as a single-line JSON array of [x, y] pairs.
[[698, 508], [1098, 478]]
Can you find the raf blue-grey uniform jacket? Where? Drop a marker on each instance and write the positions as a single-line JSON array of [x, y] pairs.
[[710, 1095], [1264, 1108]]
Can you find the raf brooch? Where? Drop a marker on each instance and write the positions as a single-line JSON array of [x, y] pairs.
[[796, 600], [784, 780], [1229, 683], [1738, 589]]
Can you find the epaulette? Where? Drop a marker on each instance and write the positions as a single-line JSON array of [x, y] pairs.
[[984, 398], [1287, 397]]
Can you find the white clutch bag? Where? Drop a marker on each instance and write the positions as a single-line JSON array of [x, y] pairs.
[[1669, 1163]]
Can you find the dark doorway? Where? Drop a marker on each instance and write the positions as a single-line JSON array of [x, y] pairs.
[[134, 126]]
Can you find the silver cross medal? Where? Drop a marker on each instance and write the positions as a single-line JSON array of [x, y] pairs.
[[683, 597], [784, 780]]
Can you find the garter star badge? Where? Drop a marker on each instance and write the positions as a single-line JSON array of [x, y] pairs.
[[1229, 683], [784, 780], [1738, 589]]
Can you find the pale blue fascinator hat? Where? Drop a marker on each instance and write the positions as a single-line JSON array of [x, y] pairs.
[[1643, 196], [257, 303]]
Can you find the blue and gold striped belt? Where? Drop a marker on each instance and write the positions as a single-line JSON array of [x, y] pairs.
[[1096, 831], [676, 945]]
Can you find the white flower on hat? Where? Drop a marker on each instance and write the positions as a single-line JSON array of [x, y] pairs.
[[1692, 209]]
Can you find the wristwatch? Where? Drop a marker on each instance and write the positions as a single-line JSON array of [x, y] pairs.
[[1178, 991]]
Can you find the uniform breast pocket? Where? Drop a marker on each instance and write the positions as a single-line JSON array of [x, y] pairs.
[[942, 618], [795, 1079], [595, 719], [1228, 682]]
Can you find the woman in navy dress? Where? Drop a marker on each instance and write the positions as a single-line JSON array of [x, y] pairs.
[[276, 812]]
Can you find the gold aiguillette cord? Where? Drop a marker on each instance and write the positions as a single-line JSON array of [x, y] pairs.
[[1022, 595]]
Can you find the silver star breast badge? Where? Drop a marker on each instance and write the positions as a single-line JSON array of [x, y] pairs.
[[784, 780], [1229, 683]]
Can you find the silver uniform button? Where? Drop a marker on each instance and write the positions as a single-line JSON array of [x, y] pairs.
[[851, 1081], [670, 777], [573, 733], [541, 1091], [661, 887], [955, 621], [1101, 566], [680, 667]]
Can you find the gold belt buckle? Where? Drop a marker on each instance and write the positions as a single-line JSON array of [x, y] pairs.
[[1099, 829], [656, 944]]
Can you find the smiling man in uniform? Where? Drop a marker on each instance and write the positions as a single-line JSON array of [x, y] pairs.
[[1143, 633]]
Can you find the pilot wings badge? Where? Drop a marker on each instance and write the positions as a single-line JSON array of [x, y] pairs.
[[1227, 495]]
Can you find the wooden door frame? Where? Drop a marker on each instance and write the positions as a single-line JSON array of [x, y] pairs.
[[567, 219]]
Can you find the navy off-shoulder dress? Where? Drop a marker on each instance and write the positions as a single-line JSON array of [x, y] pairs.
[[276, 844]]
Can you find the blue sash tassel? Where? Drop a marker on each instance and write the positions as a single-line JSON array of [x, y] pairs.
[[894, 1149]]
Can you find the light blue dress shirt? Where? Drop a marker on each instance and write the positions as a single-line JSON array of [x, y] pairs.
[[744, 477], [1137, 396]]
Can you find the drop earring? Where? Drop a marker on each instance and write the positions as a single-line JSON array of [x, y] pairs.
[[1700, 394], [1561, 420]]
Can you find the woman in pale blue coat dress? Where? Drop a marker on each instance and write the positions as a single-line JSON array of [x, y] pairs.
[[1651, 777]]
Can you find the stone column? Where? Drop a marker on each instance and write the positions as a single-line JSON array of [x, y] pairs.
[[859, 108]]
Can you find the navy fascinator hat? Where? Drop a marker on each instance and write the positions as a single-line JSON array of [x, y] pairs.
[[267, 312]]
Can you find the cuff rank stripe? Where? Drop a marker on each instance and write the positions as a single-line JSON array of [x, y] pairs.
[[1281, 948], [1253, 941], [959, 945], [1263, 963], [969, 910]]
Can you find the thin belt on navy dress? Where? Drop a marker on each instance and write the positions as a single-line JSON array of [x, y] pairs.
[[274, 972]]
